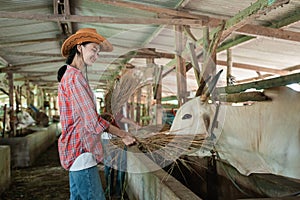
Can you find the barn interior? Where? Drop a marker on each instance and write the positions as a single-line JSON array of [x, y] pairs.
[[164, 52]]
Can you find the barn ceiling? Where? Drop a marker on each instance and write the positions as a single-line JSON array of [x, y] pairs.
[[263, 37]]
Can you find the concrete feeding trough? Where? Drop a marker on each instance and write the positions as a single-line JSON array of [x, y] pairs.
[[146, 180], [5, 173], [25, 150]]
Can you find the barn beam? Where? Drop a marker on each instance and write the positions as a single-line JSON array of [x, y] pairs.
[[255, 30], [263, 84], [99, 19], [195, 63], [137, 54], [260, 77], [26, 42], [153, 9], [260, 7], [243, 97], [14, 68], [63, 7], [255, 68], [143, 53], [161, 27], [67, 11], [285, 21], [3, 62], [292, 68], [31, 54], [187, 66]]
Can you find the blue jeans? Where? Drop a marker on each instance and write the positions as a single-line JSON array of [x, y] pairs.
[[86, 185], [115, 162]]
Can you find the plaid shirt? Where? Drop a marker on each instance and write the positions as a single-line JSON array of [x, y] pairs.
[[81, 124]]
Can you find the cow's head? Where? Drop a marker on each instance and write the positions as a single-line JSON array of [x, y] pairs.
[[196, 115]]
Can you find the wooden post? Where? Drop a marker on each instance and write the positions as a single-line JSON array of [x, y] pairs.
[[55, 105], [11, 104], [17, 96], [205, 44], [28, 94], [149, 99], [157, 91], [4, 120], [132, 107], [180, 67], [229, 67], [21, 93], [144, 113], [158, 95], [213, 68], [138, 105], [195, 64], [212, 178], [149, 61]]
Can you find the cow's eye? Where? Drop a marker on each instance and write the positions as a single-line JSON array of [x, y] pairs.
[[187, 116]]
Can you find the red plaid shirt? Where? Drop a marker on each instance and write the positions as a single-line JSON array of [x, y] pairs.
[[81, 124]]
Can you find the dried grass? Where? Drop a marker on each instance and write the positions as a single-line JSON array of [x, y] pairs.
[[163, 147], [123, 90], [169, 151]]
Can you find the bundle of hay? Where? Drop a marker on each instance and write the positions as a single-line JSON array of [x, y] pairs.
[[123, 90], [164, 147]]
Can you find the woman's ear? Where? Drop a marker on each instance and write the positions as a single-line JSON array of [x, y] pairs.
[[79, 49]]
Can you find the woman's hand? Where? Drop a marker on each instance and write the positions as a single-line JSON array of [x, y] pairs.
[[126, 137], [128, 140]]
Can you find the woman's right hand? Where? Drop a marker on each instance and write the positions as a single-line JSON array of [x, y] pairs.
[[128, 140]]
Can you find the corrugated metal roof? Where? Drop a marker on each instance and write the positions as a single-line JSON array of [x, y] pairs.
[[31, 47]]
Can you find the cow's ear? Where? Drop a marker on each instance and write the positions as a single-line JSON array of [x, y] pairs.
[[211, 86], [202, 86]]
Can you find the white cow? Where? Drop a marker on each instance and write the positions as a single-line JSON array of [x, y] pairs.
[[24, 120], [260, 138]]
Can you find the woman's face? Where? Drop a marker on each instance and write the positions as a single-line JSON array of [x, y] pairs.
[[90, 53]]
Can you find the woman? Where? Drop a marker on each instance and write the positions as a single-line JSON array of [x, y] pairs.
[[79, 145]]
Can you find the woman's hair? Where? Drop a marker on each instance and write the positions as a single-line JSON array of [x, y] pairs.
[[69, 60], [61, 72], [73, 52]]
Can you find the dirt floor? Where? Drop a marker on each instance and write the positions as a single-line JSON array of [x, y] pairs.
[[44, 180]]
